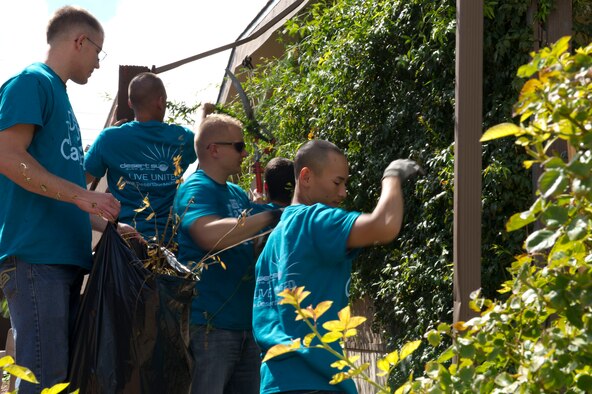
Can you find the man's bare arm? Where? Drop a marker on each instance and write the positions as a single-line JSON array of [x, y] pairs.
[[21, 168], [213, 233]]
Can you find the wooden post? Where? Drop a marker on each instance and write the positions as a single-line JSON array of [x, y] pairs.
[[558, 24], [467, 157], [126, 74]]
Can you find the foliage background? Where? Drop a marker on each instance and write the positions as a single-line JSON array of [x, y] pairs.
[[376, 77]]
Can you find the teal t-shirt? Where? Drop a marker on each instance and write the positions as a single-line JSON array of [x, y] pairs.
[[142, 154], [34, 228], [224, 296], [307, 248]]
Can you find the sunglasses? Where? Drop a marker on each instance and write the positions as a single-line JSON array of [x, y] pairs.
[[238, 146]]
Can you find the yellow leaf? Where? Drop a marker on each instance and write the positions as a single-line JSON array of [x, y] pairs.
[[150, 216], [393, 357], [305, 313], [352, 332], [58, 388], [146, 204], [344, 315], [6, 360], [340, 364], [322, 308], [531, 86], [308, 339], [121, 183], [409, 348], [222, 265], [21, 372], [383, 364], [355, 321], [280, 349], [331, 337], [403, 389], [338, 378], [334, 325], [528, 163], [459, 326], [501, 130]]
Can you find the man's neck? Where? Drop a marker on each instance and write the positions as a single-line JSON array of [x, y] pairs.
[[214, 173]]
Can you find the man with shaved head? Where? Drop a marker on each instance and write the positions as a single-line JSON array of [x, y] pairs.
[[217, 215], [45, 227], [144, 159], [313, 246]]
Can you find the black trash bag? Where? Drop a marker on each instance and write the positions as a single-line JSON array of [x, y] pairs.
[[132, 330]]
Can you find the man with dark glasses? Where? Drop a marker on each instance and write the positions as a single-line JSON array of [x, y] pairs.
[[217, 215]]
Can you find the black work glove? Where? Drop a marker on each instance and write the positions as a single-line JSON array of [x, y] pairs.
[[403, 168]]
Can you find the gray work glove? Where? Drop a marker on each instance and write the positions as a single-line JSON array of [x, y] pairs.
[[403, 168]]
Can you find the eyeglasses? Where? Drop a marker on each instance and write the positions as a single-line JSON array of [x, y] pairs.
[[102, 54], [238, 146]]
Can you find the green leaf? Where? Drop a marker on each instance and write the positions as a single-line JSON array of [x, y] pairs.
[[527, 70], [501, 130], [584, 382], [555, 216], [519, 220], [540, 240], [446, 355], [552, 182], [503, 379], [577, 229], [434, 338]]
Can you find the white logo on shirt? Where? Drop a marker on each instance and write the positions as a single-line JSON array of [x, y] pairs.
[[71, 148]]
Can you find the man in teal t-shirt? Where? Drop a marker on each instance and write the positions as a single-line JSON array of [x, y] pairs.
[[145, 158], [226, 356], [313, 246], [45, 228]]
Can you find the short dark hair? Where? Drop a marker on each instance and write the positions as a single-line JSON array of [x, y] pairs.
[[68, 16], [280, 179], [145, 87], [313, 154]]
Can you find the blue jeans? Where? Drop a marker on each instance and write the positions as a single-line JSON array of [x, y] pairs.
[[226, 361], [43, 300]]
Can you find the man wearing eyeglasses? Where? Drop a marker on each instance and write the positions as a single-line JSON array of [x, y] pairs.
[[45, 228], [145, 158], [213, 219]]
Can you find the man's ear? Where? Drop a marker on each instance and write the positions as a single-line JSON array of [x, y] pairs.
[[304, 176]]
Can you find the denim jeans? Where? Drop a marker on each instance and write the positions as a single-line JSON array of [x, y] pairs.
[[226, 361], [42, 300]]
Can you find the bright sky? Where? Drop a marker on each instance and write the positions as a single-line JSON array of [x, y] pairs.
[[138, 32]]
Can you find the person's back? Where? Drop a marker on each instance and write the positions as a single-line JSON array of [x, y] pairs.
[[144, 160]]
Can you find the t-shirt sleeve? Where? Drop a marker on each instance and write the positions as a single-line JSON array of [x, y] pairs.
[[93, 162], [189, 155], [22, 101], [330, 230], [200, 199]]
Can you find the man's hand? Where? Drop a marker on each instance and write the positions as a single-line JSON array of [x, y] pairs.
[[128, 232], [402, 168], [98, 203]]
